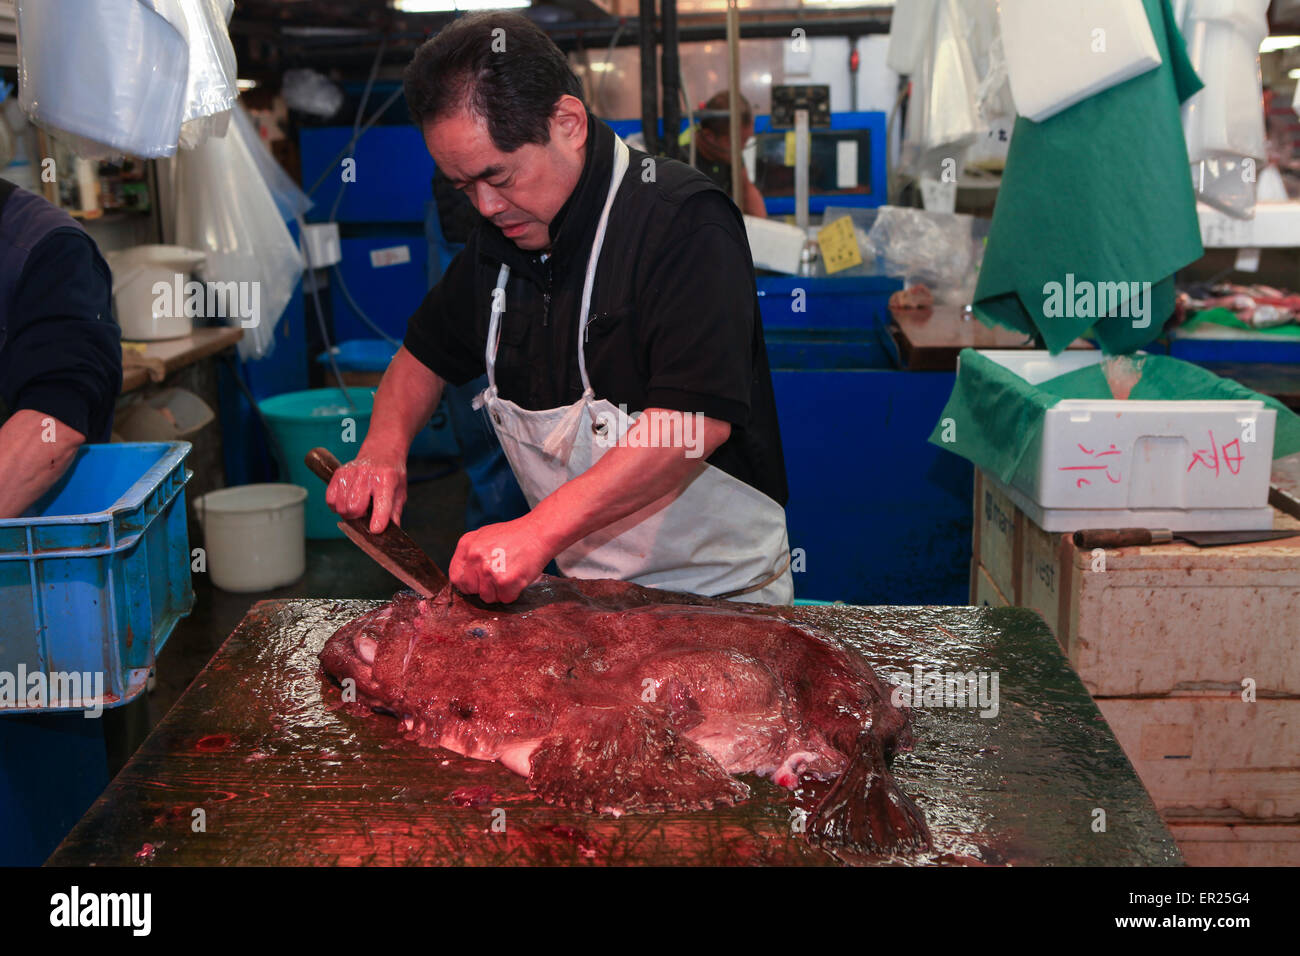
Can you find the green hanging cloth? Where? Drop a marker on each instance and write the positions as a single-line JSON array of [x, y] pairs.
[[1097, 211]]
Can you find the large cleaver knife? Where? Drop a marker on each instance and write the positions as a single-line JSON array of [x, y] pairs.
[[392, 548], [1138, 537]]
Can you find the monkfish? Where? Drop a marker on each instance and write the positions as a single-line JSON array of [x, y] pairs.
[[613, 698]]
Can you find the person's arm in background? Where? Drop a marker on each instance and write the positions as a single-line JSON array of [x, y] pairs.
[[754, 205], [60, 367]]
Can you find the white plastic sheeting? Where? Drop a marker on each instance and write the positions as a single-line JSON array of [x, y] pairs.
[[136, 76], [225, 209]]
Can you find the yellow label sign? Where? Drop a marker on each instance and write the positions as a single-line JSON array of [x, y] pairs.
[[839, 245], [789, 148]]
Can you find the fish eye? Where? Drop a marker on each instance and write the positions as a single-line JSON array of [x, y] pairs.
[[478, 631]]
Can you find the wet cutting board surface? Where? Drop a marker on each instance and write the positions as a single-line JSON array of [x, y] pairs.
[[284, 774]]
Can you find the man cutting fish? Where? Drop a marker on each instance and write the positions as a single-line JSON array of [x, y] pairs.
[[609, 297]]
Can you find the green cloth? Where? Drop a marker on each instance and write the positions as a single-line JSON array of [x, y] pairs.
[[1227, 319], [994, 416], [1101, 192]]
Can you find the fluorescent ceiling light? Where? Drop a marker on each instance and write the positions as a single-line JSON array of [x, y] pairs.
[[247, 84], [1273, 44]]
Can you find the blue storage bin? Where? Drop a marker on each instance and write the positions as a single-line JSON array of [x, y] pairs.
[[96, 577]]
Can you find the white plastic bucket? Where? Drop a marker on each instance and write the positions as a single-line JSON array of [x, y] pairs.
[[254, 535], [143, 314]]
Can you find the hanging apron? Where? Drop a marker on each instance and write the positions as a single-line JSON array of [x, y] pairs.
[[716, 536]]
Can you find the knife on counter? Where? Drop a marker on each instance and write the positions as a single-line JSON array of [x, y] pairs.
[[1138, 537]]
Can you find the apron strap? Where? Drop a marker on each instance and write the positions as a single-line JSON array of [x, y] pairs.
[[621, 155], [760, 585], [494, 326]]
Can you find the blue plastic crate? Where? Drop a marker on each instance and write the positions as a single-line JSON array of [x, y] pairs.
[[94, 581]]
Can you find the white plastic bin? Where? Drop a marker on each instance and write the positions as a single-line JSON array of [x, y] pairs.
[[1183, 465]]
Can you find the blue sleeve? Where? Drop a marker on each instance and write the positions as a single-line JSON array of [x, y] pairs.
[[62, 352]]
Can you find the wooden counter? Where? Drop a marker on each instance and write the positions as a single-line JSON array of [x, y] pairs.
[[176, 354], [928, 340]]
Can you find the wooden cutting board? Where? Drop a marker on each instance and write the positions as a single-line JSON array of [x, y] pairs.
[[260, 750]]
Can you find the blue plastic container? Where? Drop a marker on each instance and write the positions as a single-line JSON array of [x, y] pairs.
[[95, 579], [361, 355], [318, 417], [436, 440]]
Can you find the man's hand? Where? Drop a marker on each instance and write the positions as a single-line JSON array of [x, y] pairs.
[[404, 402], [377, 477], [498, 561]]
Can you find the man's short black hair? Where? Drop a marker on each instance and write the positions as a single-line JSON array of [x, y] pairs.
[[512, 78]]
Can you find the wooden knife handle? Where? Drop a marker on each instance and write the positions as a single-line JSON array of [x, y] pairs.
[[1112, 538], [322, 463]]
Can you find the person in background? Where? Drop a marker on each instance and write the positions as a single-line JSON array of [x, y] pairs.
[[60, 349], [713, 149]]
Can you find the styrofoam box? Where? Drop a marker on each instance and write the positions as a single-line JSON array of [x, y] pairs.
[[1182, 465], [775, 245]]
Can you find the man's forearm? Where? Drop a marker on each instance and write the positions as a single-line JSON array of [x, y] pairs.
[[407, 397], [626, 479], [36, 449]]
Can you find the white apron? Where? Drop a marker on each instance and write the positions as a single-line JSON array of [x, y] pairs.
[[717, 536]]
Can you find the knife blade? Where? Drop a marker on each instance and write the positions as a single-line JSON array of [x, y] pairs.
[[1138, 537]]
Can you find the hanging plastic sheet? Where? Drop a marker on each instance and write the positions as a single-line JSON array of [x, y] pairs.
[[943, 116], [136, 77], [910, 28], [289, 198], [1224, 123], [118, 80], [212, 89], [225, 209], [1061, 53]]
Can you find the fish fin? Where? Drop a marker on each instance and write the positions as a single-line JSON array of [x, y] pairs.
[[865, 811], [611, 760]]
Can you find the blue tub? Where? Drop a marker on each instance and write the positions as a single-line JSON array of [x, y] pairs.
[[94, 579]]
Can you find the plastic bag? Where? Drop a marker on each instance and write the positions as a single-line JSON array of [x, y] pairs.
[[310, 92], [289, 198], [1223, 38], [938, 250], [211, 90], [118, 80], [1224, 123], [224, 208], [943, 118]]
